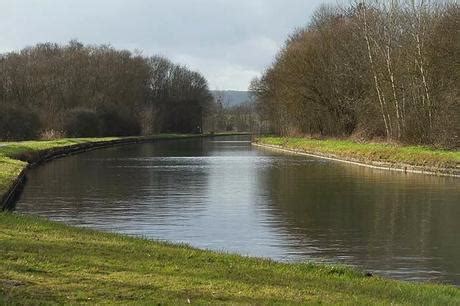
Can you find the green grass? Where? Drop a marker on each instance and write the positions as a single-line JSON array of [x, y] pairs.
[[10, 166], [15, 149], [10, 152], [9, 170], [379, 152], [45, 262], [42, 262]]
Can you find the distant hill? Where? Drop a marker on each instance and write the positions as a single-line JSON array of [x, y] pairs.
[[231, 97]]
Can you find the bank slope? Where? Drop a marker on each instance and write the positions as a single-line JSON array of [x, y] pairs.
[[42, 262], [15, 157], [380, 155], [46, 262]]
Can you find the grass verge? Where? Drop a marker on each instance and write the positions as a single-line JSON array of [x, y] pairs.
[[45, 262], [14, 156], [11, 152], [370, 152]]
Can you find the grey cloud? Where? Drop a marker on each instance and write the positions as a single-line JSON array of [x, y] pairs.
[[229, 41]]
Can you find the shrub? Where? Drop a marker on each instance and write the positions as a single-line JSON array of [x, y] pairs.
[[51, 134], [18, 124], [81, 123], [113, 122]]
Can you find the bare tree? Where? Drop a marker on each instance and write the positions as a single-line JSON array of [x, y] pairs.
[[373, 68]]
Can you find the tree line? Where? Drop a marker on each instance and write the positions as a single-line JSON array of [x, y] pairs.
[[77, 90], [240, 117], [372, 69]]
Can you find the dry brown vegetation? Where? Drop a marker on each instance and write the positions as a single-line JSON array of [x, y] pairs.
[[75, 90], [377, 69]]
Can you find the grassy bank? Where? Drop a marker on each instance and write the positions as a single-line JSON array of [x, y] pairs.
[[14, 156], [370, 152], [47, 262], [43, 262], [11, 152]]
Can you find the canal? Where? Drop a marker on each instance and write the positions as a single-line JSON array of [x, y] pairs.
[[223, 194]]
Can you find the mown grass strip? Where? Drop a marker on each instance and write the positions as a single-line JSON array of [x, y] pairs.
[[46, 262], [11, 167], [10, 152], [9, 171], [42, 262], [370, 152]]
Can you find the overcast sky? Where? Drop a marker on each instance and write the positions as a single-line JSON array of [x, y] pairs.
[[229, 41]]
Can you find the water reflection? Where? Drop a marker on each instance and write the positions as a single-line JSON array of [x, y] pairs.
[[398, 225], [222, 194]]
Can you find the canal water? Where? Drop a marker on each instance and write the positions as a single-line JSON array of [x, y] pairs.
[[223, 194]]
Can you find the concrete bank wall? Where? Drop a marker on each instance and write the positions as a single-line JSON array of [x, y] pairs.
[[370, 164], [35, 158]]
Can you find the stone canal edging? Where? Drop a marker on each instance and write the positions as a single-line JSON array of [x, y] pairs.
[[451, 172], [35, 158]]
